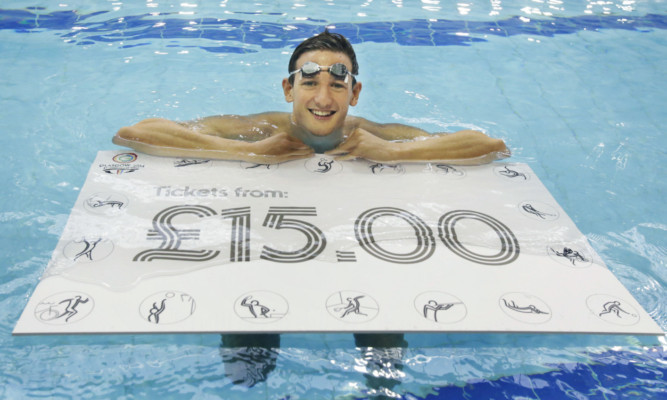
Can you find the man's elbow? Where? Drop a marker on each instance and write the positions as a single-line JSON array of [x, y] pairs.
[[127, 133]]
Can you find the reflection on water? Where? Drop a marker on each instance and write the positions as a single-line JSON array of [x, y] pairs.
[[249, 359]]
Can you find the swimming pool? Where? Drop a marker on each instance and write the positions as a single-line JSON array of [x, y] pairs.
[[575, 88]]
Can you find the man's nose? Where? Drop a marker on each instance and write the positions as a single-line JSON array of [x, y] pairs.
[[323, 96]]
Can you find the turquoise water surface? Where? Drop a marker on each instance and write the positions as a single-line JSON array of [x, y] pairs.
[[576, 89]]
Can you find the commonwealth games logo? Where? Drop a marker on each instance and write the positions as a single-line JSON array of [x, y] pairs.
[[122, 164], [125, 158]]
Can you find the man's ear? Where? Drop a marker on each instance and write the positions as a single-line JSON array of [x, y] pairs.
[[287, 90], [355, 94]]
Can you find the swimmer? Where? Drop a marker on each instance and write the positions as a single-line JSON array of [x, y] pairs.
[[321, 86]]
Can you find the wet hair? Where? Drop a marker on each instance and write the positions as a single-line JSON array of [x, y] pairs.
[[324, 41]]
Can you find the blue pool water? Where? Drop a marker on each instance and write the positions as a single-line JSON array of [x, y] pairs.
[[576, 89]]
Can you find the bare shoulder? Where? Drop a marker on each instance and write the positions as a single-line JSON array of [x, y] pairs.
[[280, 121]]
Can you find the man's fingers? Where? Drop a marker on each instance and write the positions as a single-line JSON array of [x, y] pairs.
[[336, 152], [345, 157]]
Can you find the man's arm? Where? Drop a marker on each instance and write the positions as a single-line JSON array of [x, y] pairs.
[[397, 142], [225, 137]]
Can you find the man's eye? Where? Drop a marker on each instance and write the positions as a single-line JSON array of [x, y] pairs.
[[338, 86], [308, 83]]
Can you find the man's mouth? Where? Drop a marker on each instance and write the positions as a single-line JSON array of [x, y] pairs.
[[322, 114]]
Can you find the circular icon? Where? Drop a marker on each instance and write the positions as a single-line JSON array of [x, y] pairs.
[[258, 168], [539, 211], [64, 308], [386, 169], [450, 171], [573, 255], [440, 307], [106, 203], [352, 306], [612, 309], [325, 165], [261, 307], [512, 172], [88, 249], [525, 308], [124, 158], [167, 307]]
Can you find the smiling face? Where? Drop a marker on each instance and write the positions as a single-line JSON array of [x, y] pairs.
[[321, 102]]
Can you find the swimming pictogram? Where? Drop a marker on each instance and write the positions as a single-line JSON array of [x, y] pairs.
[[449, 170], [64, 308], [525, 308], [538, 210], [261, 306], [254, 306], [352, 306], [529, 309], [440, 307], [267, 166], [189, 162], [167, 307]]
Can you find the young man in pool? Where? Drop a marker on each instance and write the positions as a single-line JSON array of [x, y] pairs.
[[321, 87]]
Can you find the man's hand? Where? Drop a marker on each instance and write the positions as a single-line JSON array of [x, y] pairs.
[[167, 138], [463, 148], [363, 144], [276, 149]]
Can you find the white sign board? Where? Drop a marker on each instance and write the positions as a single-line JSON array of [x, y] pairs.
[[171, 245]]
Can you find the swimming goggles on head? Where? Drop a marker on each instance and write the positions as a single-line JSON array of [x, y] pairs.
[[310, 69]]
